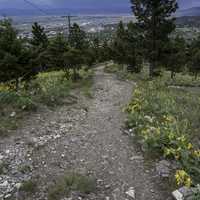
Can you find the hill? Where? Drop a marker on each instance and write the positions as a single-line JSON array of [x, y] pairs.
[[192, 21], [195, 11], [63, 11]]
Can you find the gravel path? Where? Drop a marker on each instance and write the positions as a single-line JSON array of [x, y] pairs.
[[87, 138]]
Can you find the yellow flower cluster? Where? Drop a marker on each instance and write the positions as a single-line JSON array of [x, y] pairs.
[[168, 119], [182, 178], [197, 153], [4, 88], [134, 106]]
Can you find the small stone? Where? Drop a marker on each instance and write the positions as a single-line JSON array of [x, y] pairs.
[[107, 198], [18, 186], [131, 130], [131, 192], [136, 158], [7, 151], [116, 193], [163, 168], [186, 192], [177, 195], [57, 136], [13, 114], [62, 155], [1, 156], [99, 181], [4, 184], [126, 132], [107, 186], [7, 196], [152, 191]]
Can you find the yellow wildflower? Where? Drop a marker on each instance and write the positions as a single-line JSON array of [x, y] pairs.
[[182, 178], [197, 153], [190, 146]]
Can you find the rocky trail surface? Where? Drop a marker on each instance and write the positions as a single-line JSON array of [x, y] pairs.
[[87, 138]]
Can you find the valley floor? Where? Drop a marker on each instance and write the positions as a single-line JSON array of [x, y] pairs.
[[86, 138]]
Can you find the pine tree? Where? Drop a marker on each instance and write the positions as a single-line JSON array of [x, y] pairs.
[[194, 57], [118, 46], [175, 55], [95, 47], [105, 51], [154, 18], [74, 60], [77, 38], [134, 48], [54, 55], [39, 36], [126, 49], [194, 66], [89, 57], [14, 56]]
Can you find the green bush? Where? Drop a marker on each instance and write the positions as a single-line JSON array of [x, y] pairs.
[[72, 182], [113, 68], [28, 186], [17, 100]]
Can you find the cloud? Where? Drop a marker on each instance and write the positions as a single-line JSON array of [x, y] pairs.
[[78, 4]]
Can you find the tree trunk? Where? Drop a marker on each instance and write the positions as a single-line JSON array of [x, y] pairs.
[[17, 84], [67, 74], [172, 75], [196, 75], [151, 69], [152, 66], [74, 74]]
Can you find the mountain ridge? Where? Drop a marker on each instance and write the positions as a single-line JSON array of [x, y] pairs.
[[195, 11]]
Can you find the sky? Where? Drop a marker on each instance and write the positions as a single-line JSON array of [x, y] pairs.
[[83, 4]]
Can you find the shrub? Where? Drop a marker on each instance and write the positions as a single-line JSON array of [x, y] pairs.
[[29, 186], [72, 182]]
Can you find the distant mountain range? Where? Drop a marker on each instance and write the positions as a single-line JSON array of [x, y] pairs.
[[189, 12], [62, 11]]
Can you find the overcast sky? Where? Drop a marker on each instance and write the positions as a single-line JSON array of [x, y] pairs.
[[78, 4]]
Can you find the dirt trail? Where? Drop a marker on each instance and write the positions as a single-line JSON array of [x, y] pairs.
[[87, 138]]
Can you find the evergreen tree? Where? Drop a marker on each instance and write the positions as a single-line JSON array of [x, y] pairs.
[[14, 56], [54, 55], [74, 60], [77, 38], [154, 18], [39, 36], [105, 51], [194, 57], [134, 48], [39, 45], [194, 66], [95, 47], [118, 46], [175, 55], [126, 48], [89, 57]]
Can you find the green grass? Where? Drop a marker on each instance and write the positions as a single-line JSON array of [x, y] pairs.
[[182, 79], [25, 169], [166, 121], [69, 183], [50, 89], [113, 68], [3, 167], [29, 186]]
